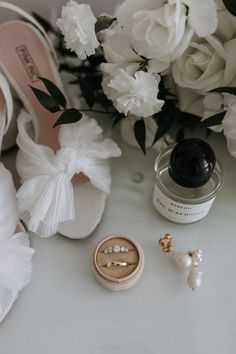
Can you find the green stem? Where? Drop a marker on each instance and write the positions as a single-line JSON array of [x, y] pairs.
[[94, 110], [89, 110]]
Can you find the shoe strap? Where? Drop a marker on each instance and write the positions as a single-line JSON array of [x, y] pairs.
[[8, 109], [31, 19]]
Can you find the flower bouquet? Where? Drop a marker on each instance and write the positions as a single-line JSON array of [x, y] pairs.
[[154, 66]]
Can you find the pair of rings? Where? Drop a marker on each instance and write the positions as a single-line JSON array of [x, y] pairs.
[[116, 249]]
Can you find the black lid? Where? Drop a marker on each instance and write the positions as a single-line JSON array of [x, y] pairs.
[[192, 162]]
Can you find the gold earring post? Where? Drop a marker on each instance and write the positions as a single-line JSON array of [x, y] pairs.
[[166, 243]]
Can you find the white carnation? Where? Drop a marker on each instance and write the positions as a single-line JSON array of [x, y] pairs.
[[77, 24], [136, 94]]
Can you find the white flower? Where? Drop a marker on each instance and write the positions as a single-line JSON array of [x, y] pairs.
[[77, 24], [162, 30], [208, 63], [226, 28], [214, 103], [118, 52], [136, 94], [202, 16], [229, 125], [220, 4]]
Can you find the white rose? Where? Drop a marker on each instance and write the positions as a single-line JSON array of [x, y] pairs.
[[193, 88], [162, 30], [118, 52], [77, 24], [229, 126], [202, 16], [220, 4], [213, 103], [136, 94], [208, 63], [226, 28]]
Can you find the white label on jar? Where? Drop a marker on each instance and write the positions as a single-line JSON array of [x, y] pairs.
[[179, 212]]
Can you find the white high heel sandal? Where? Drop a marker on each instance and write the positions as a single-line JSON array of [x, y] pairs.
[[6, 107], [15, 253], [49, 201]]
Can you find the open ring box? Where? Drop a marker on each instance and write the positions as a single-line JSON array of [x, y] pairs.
[[118, 262]]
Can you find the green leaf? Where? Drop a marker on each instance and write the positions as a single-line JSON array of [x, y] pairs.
[[180, 134], [143, 66], [231, 90], [54, 92], [208, 132], [140, 134], [166, 93], [103, 100], [46, 100], [63, 50], [69, 116], [87, 91], [103, 22], [76, 69], [118, 118], [45, 24], [190, 120], [165, 122], [230, 6], [213, 120], [141, 56]]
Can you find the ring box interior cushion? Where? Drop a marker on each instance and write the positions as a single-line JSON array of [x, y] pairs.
[[107, 266]]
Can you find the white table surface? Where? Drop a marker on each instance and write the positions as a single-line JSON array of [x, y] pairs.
[[65, 310]]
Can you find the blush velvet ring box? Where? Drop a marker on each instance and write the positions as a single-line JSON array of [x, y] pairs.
[[115, 268]]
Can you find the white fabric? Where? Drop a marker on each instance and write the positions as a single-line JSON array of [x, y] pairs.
[[7, 111], [15, 253], [46, 197]]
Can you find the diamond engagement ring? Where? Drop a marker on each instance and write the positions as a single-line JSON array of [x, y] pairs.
[[116, 249]]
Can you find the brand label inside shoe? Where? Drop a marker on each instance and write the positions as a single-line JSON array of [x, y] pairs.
[[28, 62]]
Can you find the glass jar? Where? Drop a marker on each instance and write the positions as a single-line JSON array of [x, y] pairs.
[[187, 180]]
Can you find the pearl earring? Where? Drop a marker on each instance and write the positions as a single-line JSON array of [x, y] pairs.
[[184, 260]]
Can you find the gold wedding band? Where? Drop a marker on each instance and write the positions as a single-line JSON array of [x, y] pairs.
[[116, 264]]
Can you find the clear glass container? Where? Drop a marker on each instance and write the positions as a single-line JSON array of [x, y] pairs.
[[183, 204]]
